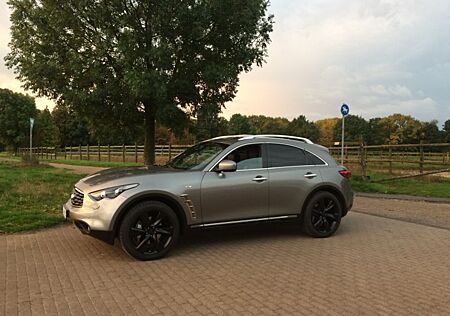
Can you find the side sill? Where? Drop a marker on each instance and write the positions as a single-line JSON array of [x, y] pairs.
[[241, 221]]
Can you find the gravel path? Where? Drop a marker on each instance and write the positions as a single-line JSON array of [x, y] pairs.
[[421, 212], [77, 169]]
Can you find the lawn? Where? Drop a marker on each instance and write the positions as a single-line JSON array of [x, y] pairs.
[[429, 186], [31, 197]]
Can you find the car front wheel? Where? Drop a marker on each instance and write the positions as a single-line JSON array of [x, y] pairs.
[[322, 215], [149, 230]]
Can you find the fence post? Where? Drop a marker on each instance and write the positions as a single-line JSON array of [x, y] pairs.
[[56, 152], [79, 152], [390, 160], [421, 157], [123, 152], [98, 152], [65, 153], [135, 153], [363, 161], [88, 152], [109, 153], [46, 153], [70, 153]]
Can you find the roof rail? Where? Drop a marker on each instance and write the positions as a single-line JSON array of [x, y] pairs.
[[230, 136], [302, 139]]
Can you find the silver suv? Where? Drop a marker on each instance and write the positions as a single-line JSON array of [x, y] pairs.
[[224, 180]]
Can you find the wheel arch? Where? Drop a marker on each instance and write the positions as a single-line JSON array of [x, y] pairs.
[[328, 188], [150, 196]]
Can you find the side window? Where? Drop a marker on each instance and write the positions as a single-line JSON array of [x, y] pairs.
[[313, 159], [247, 157], [285, 156]]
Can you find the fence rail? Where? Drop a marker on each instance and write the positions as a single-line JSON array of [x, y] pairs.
[[391, 158], [122, 153]]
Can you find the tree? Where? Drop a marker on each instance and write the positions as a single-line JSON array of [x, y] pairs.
[[125, 61], [209, 124], [430, 133], [47, 133], [240, 124], [73, 129], [300, 126], [275, 125], [401, 129], [326, 131], [446, 129], [16, 109], [355, 128]]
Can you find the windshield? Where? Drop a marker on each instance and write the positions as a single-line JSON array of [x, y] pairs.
[[198, 156]]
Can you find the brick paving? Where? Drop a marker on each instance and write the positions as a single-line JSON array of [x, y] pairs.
[[372, 266]]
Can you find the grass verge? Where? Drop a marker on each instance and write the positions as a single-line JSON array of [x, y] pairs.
[[422, 186], [31, 197]]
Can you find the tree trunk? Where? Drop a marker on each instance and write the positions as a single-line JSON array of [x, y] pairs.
[[149, 142]]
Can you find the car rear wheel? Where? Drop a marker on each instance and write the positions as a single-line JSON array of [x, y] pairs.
[[322, 215], [149, 230]]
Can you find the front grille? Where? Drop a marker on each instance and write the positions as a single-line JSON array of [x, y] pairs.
[[77, 198]]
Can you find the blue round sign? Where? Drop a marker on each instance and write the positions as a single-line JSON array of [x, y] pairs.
[[345, 109]]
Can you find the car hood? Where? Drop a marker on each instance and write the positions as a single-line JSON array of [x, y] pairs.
[[114, 174]]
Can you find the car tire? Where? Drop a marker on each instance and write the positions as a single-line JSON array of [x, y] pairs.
[[149, 230], [322, 215]]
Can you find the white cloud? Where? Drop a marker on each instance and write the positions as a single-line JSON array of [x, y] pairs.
[[379, 56]]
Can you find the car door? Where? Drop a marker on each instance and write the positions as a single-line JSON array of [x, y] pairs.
[[237, 195], [293, 173]]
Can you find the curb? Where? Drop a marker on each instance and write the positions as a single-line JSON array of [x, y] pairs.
[[403, 197]]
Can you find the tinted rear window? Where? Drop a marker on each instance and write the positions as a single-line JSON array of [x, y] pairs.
[[285, 156], [313, 159]]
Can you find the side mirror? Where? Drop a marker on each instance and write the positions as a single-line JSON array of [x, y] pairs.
[[226, 165]]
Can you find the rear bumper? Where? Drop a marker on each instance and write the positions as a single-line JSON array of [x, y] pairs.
[[349, 202]]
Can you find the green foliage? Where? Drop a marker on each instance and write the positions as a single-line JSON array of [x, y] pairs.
[[47, 133], [356, 128], [73, 129], [125, 61], [16, 110], [430, 133], [240, 124], [300, 126], [209, 124], [446, 133]]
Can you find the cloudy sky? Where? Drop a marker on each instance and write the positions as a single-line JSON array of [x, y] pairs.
[[380, 57]]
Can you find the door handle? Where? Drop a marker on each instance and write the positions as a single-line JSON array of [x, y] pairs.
[[259, 179], [310, 175]]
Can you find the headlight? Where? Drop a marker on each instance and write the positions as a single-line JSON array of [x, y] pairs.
[[111, 193]]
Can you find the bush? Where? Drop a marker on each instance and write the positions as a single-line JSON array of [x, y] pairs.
[[30, 160]]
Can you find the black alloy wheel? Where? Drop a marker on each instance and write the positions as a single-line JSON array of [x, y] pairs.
[[322, 215], [149, 230]]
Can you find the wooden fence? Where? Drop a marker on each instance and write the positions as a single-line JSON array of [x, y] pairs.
[[122, 153], [416, 157]]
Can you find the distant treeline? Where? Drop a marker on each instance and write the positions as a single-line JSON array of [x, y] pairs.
[[63, 127]]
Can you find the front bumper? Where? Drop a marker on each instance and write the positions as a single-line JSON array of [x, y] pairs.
[[94, 218]]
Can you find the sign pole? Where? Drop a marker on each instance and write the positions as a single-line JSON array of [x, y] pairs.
[[345, 109], [31, 137], [342, 142]]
